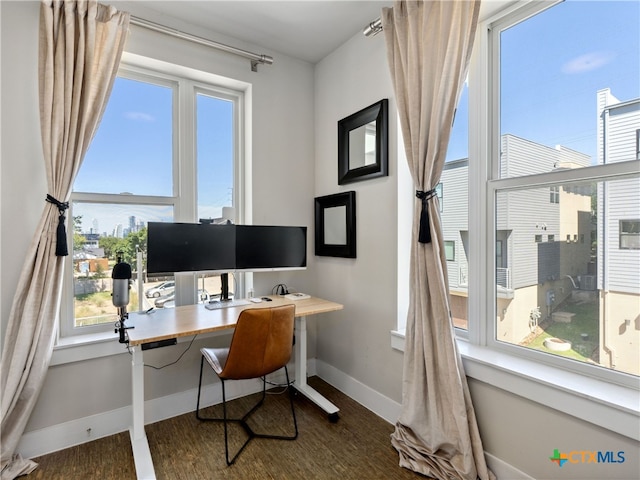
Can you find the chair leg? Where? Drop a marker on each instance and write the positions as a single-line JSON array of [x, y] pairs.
[[199, 390], [243, 421]]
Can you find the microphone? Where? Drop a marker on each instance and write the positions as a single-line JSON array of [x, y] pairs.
[[121, 274]]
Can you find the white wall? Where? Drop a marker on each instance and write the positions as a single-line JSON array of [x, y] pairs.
[[356, 340]]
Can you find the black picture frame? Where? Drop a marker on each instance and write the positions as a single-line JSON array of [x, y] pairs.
[[362, 168], [335, 225]]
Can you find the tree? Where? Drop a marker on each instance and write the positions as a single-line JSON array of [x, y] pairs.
[[78, 241], [109, 245], [129, 246]]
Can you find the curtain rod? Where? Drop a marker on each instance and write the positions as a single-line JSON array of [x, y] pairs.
[[254, 57], [373, 28]]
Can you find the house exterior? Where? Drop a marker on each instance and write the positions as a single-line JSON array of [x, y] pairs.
[[539, 257], [550, 244], [619, 235]]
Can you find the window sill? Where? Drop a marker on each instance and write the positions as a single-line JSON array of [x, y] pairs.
[[85, 347], [607, 405]]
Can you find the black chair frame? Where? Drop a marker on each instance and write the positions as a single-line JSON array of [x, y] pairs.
[[243, 421]]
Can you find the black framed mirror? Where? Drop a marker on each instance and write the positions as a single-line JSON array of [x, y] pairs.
[[363, 144], [335, 222]]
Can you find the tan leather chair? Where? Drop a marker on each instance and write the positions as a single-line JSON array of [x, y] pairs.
[[261, 344]]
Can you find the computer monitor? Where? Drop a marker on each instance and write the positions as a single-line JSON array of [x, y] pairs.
[[270, 247], [189, 247], [192, 247]]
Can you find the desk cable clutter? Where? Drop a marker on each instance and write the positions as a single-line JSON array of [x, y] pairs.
[[282, 290]]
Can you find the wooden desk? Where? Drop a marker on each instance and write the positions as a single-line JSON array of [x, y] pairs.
[[195, 319]]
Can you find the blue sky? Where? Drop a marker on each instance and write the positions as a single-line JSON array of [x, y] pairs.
[[554, 63]]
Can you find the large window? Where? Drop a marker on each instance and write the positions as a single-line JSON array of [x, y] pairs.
[[167, 149], [562, 151], [547, 267]]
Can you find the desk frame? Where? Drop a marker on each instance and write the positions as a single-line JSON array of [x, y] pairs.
[[139, 442]]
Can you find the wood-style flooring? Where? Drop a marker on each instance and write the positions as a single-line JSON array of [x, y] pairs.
[[357, 447]]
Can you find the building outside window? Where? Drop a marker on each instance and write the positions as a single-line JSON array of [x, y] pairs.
[[166, 150], [559, 170], [575, 286]]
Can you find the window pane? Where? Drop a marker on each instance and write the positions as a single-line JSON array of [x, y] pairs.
[[572, 298], [459, 140], [562, 86], [132, 150], [450, 250], [100, 232], [455, 226], [630, 234], [215, 154]]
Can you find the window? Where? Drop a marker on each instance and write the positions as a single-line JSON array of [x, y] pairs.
[[454, 212], [450, 250], [559, 164], [166, 150], [439, 195], [630, 234]]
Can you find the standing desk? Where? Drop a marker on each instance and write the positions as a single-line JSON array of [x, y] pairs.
[[196, 319]]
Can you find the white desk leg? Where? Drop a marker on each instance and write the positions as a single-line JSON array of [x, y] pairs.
[[139, 443], [301, 372]]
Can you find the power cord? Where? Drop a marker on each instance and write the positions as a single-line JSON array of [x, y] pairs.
[[282, 386], [171, 363]]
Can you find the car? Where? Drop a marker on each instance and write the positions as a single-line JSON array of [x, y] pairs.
[[165, 288], [168, 301]]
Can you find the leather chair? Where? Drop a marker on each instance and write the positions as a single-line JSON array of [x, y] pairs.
[[261, 344]]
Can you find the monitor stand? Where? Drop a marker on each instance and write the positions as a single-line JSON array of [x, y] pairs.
[[224, 291]]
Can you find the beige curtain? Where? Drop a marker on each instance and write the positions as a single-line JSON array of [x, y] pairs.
[[428, 47], [81, 44]]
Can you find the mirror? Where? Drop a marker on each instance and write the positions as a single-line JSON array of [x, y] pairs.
[[362, 144], [335, 228], [335, 222]]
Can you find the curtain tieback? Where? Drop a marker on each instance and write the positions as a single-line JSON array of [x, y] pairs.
[[424, 235], [61, 232]]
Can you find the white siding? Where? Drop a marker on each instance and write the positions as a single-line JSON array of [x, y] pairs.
[[528, 213], [618, 200], [455, 216]]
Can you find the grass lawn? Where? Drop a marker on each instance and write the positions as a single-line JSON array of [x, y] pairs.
[[96, 308], [585, 320]]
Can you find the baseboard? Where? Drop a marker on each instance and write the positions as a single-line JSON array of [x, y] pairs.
[[502, 469], [75, 432], [389, 410], [82, 430], [376, 402]]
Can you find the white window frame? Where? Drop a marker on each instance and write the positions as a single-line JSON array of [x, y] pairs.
[[187, 83], [604, 397], [552, 180]]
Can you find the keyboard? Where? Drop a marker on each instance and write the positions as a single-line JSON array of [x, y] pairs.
[[215, 305]]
